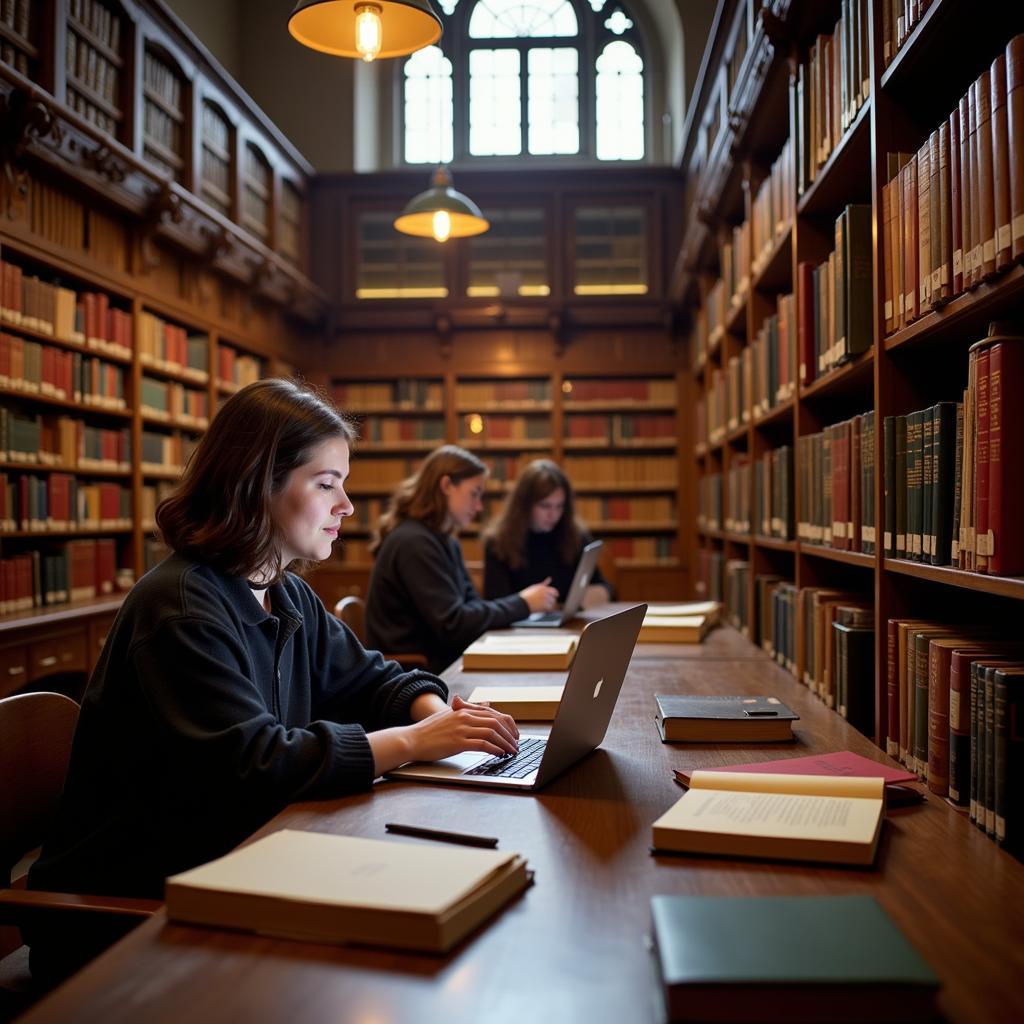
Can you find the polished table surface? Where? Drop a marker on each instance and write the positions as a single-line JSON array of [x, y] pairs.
[[573, 946]]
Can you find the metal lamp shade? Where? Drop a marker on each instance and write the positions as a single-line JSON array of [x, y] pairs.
[[418, 216], [330, 26]]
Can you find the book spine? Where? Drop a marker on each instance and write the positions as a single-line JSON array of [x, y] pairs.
[[927, 481], [1005, 535], [920, 706], [942, 275], [938, 719], [1002, 229], [958, 469], [1015, 132], [972, 273], [989, 788], [959, 729], [977, 738], [900, 487], [892, 691], [983, 98], [981, 496], [955, 223]]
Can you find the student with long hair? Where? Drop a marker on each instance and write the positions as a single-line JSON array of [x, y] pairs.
[[421, 597], [538, 536], [225, 690]]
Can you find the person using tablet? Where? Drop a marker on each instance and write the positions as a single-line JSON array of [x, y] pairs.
[[538, 536], [421, 598], [225, 690]]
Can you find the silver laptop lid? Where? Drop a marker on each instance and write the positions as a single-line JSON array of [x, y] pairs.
[[588, 700], [581, 580]]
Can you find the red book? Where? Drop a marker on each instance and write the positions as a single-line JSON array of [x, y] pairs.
[[1000, 165], [1005, 534], [805, 320], [981, 497], [1015, 131]]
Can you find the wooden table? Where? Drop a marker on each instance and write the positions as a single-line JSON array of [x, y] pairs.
[[572, 948]]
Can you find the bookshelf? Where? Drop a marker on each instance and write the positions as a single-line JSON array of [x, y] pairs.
[[814, 184]]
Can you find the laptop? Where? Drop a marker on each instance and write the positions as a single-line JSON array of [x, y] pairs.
[[589, 697], [573, 599]]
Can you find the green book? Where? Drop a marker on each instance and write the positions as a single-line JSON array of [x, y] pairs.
[[787, 958], [900, 487]]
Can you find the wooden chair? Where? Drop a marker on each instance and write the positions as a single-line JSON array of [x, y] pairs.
[[36, 730], [352, 611]]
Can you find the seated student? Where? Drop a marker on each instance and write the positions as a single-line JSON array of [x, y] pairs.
[[225, 690], [421, 597], [537, 535]]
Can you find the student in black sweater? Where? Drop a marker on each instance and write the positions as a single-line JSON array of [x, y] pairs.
[[537, 535], [225, 690], [421, 597]]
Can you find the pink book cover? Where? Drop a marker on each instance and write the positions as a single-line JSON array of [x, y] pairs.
[[842, 762]]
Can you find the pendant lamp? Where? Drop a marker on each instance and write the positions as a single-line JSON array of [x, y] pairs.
[[365, 28], [441, 212]]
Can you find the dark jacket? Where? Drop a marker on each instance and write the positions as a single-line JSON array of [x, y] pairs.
[[422, 599], [542, 558], [204, 717]]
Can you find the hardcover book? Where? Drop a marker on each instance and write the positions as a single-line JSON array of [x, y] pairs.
[[719, 958], [521, 651], [526, 703], [701, 719], [317, 887]]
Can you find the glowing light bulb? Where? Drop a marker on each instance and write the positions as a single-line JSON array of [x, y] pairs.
[[442, 225], [475, 423], [369, 31]]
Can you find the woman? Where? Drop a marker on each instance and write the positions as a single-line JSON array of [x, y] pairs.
[[421, 597], [224, 690], [537, 535]]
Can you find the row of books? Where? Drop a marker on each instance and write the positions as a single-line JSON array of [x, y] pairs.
[[60, 501], [598, 470], [170, 347], [86, 318], [734, 263], [621, 509], [237, 368], [86, 66], [160, 80], [168, 400], [773, 494], [62, 442], [825, 638], [15, 14], [954, 697], [165, 452], [735, 581], [773, 208], [405, 393], [899, 19], [710, 572], [951, 495], [35, 368], [394, 429], [835, 298], [14, 57], [832, 85], [618, 428], [953, 212], [625, 550], [837, 485], [710, 505], [76, 571], [481, 429], [484, 394], [98, 20]]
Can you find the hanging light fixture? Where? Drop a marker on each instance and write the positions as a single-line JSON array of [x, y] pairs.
[[365, 28], [441, 212]]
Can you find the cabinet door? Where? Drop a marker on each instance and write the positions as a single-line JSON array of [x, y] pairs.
[[59, 654], [13, 668]]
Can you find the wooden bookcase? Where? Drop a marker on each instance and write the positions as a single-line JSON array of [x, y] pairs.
[[740, 124], [134, 306]]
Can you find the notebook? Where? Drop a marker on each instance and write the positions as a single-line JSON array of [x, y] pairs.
[[588, 699], [573, 599]]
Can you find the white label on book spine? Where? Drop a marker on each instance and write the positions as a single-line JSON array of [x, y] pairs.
[[916, 544], [1003, 239], [888, 313], [888, 540], [936, 280], [976, 256], [989, 249], [958, 261]]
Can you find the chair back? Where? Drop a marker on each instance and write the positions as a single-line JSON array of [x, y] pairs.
[[36, 730], [352, 611]]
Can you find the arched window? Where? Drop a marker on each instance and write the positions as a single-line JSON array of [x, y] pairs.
[[547, 79]]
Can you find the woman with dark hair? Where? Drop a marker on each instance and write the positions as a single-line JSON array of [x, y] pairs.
[[537, 535], [224, 690], [421, 597]]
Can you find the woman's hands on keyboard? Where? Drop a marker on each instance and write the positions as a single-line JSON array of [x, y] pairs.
[[461, 727]]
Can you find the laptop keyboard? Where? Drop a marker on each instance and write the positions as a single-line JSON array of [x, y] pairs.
[[513, 766], [545, 617]]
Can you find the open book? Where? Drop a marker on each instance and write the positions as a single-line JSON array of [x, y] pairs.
[[527, 703], [345, 889], [552, 651], [792, 817]]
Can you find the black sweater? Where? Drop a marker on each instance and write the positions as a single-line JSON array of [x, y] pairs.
[[422, 599], [542, 559], [204, 717]]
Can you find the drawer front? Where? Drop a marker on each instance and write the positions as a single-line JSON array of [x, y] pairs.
[[14, 668], [64, 653]]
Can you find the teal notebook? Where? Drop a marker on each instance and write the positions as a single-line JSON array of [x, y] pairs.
[[787, 958]]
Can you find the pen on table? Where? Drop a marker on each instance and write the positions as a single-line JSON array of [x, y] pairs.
[[464, 838]]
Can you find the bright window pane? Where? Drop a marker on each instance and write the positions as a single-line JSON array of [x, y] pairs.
[[428, 107], [511, 19], [620, 103], [554, 100], [495, 121]]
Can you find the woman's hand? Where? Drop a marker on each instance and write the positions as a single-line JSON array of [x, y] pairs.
[[540, 597], [463, 727]]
